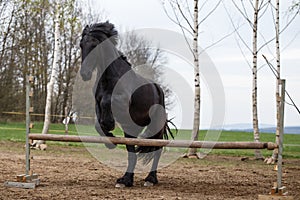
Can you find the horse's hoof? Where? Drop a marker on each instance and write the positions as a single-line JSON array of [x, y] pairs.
[[148, 184], [120, 185]]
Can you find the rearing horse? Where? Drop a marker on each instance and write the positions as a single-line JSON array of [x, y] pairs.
[[123, 96]]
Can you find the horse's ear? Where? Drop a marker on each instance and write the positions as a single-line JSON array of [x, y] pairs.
[[86, 30]]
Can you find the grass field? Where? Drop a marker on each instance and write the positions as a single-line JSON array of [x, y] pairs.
[[16, 132]]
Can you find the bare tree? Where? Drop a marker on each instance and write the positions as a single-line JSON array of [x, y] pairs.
[[258, 154], [145, 59], [15, 53], [55, 64], [7, 39], [27, 43], [258, 9], [278, 82], [70, 58], [277, 72], [91, 14], [192, 28], [189, 23]]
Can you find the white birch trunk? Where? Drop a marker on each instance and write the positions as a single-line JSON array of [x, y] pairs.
[[53, 73], [275, 152], [196, 124], [254, 81]]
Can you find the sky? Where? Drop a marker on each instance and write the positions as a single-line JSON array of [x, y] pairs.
[[231, 66]]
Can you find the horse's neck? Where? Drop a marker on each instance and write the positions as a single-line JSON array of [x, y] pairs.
[[117, 68], [113, 65], [112, 73]]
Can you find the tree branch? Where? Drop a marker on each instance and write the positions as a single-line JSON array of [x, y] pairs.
[[188, 9], [177, 21], [211, 11], [218, 41], [235, 28], [184, 17], [284, 28], [244, 14], [240, 37]]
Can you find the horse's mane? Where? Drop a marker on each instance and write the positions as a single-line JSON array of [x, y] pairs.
[[102, 28], [107, 29]]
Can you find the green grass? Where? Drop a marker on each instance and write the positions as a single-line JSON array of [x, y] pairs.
[[291, 142], [16, 132]]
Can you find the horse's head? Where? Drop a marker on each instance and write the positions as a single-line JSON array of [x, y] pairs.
[[91, 37]]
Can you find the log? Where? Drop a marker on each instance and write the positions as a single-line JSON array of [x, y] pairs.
[[155, 142]]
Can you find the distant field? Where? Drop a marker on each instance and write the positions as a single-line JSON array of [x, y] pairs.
[[16, 132]]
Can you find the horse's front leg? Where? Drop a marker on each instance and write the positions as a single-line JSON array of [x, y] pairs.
[[107, 121], [99, 128], [127, 179]]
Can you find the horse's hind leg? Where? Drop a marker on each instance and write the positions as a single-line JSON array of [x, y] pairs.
[[151, 179], [127, 179], [155, 130]]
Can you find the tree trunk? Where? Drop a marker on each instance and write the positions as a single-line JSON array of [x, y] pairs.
[[258, 154], [195, 132], [53, 74], [5, 37], [275, 152]]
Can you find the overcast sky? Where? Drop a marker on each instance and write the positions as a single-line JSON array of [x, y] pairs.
[[226, 57]]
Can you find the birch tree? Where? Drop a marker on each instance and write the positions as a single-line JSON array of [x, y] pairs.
[[278, 78], [257, 6], [190, 26], [70, 58], [294, 8], [258, 154], [53, 71], [258, 9], [193, 29]]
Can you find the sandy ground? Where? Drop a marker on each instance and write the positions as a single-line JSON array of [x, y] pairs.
[[68, 172]]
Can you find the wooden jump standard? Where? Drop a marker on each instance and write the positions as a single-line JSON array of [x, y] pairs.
[[155, 142]]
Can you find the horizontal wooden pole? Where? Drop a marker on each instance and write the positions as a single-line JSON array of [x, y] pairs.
[[155, 142]]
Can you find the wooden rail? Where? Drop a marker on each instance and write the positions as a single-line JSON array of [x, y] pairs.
[[155, 142]]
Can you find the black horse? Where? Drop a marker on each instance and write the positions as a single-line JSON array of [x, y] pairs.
[[123, 96]]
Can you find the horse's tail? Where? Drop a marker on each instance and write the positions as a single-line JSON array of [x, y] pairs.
[[168, 131], [147, 153]]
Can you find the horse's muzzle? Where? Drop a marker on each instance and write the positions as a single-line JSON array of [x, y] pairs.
[[107, 125], [86, 76]]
